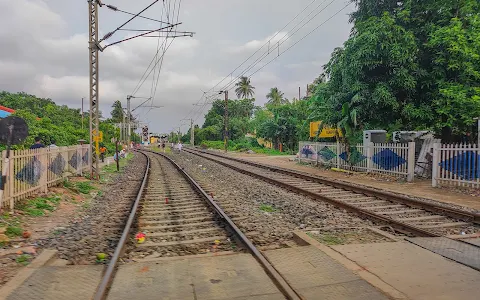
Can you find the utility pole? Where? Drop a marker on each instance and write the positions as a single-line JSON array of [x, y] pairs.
[[225, 120], [478, 131], [128, 121], [298, 93], [94, 105], [82, 113], [192, 134]]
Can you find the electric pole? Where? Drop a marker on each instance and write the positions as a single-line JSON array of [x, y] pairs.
[[128, 121], [94, 47], [94, 111], [192, 133], [225, 120], [82, 113]]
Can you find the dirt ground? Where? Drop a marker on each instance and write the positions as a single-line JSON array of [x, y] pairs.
[[419, 188]]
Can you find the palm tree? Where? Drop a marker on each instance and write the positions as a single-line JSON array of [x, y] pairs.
[[244, 88], [275, 97]]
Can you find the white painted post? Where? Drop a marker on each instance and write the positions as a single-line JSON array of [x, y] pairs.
[[369, 152], [10, 178], [338, 153], [411, 162], [435, 164], [300, 152]]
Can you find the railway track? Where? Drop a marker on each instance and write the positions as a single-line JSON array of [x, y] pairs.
[[179, 219], [409, 216]]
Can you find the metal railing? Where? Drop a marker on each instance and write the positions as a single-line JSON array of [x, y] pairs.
[[395, 159], [33, 171], [456, 164]]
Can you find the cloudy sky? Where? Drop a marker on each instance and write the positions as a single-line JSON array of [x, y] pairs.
[[44, 51]]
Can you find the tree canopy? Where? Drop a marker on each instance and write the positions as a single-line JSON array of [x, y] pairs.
[[407, 65], [52, 122], [243, 88]]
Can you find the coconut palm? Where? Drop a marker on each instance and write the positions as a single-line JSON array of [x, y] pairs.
[[244, 88], [275, 97]]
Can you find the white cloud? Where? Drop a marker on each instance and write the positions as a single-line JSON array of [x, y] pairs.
[[268, 44]]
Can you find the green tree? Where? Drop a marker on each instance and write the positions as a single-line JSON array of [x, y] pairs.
[[275, 97], [117, 112], [407, 64], [243, 88]]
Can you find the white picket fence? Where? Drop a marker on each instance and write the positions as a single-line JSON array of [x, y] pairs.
[[456, 164], [394, 159], [33, 171]]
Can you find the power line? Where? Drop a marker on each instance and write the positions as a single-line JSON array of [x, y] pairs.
[[114, 8], [128, 21], [140, 35], [258, 60], [343, 8], [267, 43]]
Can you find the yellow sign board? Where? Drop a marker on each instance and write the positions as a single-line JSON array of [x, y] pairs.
[[97, 137], [327, 132]]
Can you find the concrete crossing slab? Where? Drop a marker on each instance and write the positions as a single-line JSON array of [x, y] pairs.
[[461, 252], [237, 276], [416, 272], [60, 283], [316, 275]]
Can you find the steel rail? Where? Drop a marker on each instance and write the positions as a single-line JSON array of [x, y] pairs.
[[102, 289], [279, 281], [430, 207], [401, 226]]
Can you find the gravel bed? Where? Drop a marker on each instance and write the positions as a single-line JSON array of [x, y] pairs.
[[443, 231], [100, 227], [432, 201], [270, 212]]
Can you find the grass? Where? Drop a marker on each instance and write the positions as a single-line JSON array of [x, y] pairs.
[[112, 168], [68, 184], [84, 187], [232, 146], [40, 206], [267, 208], [327, 239], [13, 231], [23, 259]]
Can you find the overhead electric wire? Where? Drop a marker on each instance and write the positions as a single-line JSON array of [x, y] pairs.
[[114, 8], [165, 48], [128, 21], [226, 86], [302, 38], [140, 35], [266, 43], [144, 78], [258, 60]]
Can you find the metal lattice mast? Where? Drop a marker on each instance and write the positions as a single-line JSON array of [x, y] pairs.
[[94, 108]]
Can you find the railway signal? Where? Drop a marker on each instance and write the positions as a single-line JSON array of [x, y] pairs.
[[145, 133]]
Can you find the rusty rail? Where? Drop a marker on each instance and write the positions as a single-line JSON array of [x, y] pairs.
[[107, 279], [430, 207], [102, 289]]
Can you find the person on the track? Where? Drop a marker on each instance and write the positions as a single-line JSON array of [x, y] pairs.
[[179, 146]]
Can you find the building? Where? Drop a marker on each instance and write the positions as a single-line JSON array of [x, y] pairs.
[[5, 112]]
